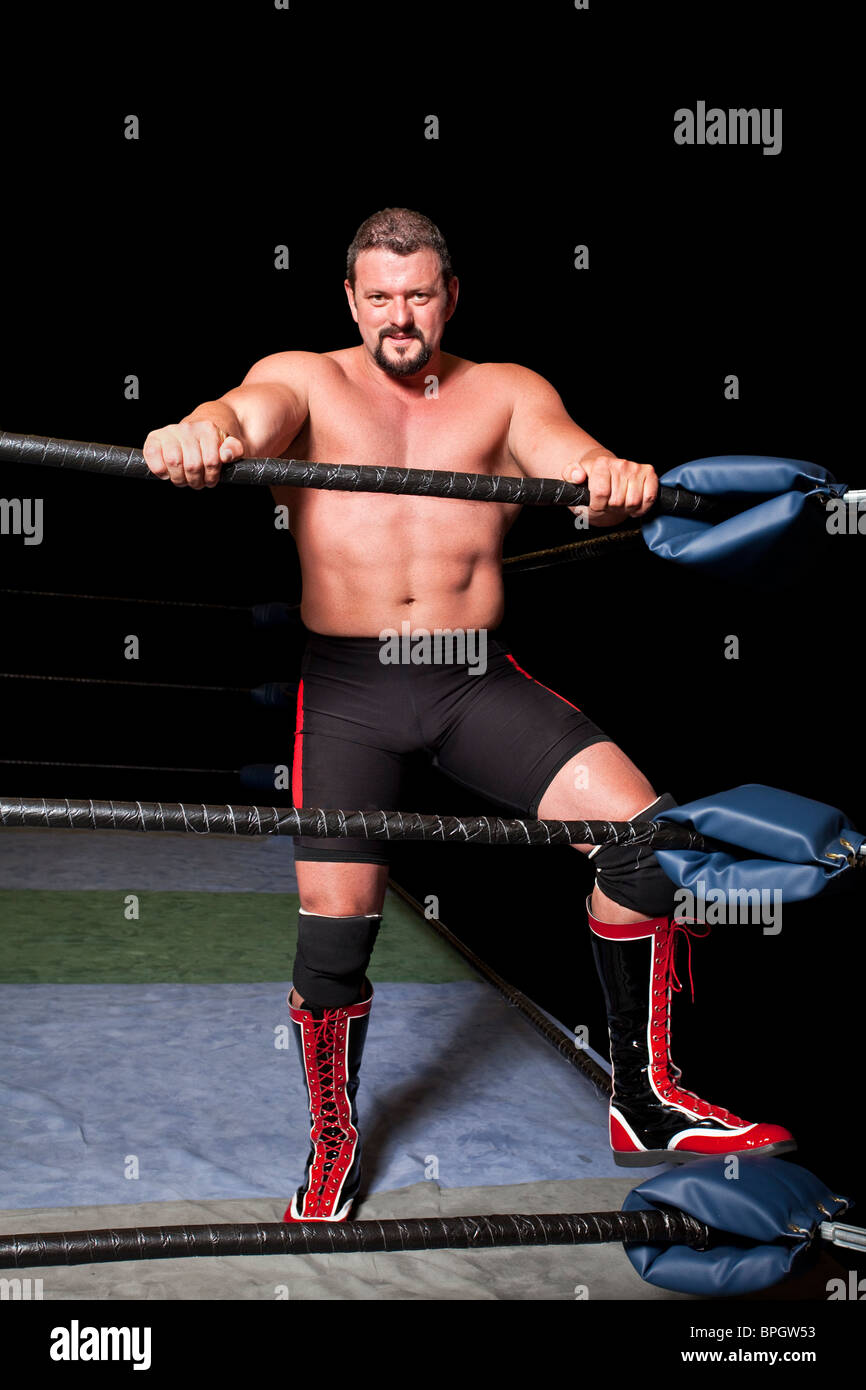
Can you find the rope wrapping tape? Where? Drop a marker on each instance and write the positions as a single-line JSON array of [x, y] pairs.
[[60, 813], [341, 477], [334, 1237]]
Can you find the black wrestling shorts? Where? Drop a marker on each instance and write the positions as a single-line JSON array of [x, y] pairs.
[[482, 720]]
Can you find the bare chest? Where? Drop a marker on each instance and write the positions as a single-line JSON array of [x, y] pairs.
[[457, 429], [464, 429]]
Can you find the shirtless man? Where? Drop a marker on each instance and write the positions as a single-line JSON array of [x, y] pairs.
[[372, 562]]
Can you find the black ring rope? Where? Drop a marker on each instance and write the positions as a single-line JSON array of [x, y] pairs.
[[565, 1046], [120, 598], [588, 549], [142, 685], [120, 767], [198, 819], [336, 1238], [532, 559], [123, 462]]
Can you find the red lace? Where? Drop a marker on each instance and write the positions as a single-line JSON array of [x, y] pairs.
[[688, 933], [331, 1130], [666, 1070]]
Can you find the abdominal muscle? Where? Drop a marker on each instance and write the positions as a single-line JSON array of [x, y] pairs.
[[371, 562]]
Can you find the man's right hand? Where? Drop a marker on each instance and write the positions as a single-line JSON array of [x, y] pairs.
[[192, 453]]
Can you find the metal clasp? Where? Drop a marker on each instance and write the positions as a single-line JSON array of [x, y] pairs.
[[856, 858], [851, 1237]]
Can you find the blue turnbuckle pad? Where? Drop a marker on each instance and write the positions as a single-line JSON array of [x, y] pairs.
[[764, 1213]]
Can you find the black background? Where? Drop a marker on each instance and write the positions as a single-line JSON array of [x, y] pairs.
[[155, 258]]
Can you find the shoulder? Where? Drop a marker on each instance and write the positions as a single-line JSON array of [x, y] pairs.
[[524, 388], [289, 368], [503, 376]]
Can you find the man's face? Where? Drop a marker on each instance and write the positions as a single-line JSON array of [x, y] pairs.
[[401, 308]]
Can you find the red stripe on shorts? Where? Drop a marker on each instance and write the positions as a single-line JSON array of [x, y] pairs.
[[297, 762], [544, 687]]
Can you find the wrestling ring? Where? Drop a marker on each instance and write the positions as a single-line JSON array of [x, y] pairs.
[[678, 1227]]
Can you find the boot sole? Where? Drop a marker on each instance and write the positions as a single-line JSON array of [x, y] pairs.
[[650, 1158]]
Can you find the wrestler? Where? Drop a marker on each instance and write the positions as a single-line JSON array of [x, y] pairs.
[[372, 562]]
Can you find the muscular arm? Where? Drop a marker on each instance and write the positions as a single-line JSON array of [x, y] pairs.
[[268, 408], [545, 442], [543, 438], [258, 418]]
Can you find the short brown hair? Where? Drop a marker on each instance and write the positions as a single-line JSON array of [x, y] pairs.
[[402, 231]]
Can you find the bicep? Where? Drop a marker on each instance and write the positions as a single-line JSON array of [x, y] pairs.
[[272, 402], [542, 438]]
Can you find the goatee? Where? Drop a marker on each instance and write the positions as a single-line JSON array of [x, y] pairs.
[[405, 366]]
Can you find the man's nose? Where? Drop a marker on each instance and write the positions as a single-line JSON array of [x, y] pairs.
[[401, 311]]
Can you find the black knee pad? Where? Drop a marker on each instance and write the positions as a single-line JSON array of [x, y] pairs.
[[332, 959], [632, 876]]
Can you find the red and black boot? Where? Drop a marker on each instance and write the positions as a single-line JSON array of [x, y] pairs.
[[330, 1044], [652, 1118]]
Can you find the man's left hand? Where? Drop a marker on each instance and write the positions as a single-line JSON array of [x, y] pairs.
[[618, 488]]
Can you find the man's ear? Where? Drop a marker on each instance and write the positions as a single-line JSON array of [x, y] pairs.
[[350, 295], [453, 291]]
